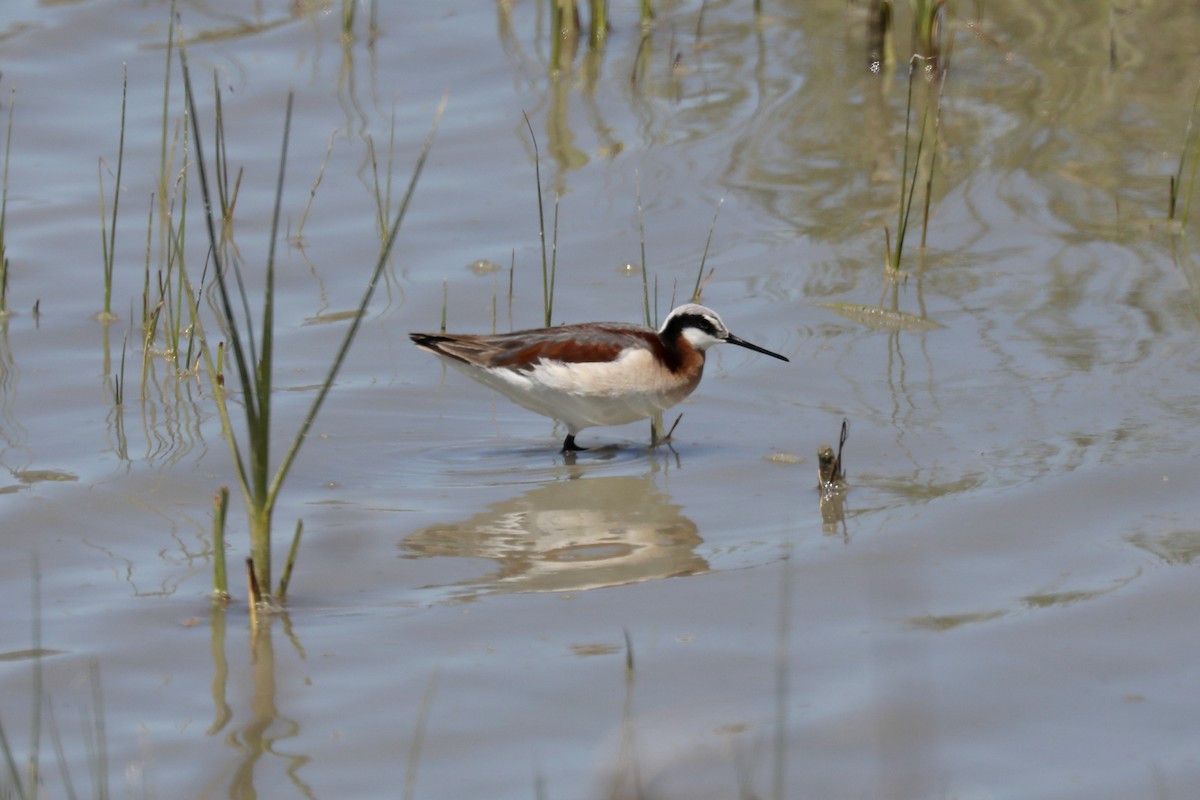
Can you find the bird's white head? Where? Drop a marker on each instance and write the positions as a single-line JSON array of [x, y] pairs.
[[699, 325], [702, 328]]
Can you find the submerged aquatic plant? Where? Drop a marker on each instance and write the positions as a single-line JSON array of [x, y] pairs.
[[252, 361]]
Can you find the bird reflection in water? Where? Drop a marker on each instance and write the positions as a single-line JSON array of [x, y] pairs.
[[569, 535]]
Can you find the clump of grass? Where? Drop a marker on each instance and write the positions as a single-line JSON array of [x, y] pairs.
[[168, 314], [109, 244], [253, 362], [176, 306], [908, 183]]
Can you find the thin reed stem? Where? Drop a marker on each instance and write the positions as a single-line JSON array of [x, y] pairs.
[[642, 243], [704, 257], [146, 267], [220, 577], [553, 265], [312, 194], [547, 300], [166, 108], [4, 210]]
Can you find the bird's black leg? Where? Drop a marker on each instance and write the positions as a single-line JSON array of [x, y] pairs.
[[569, 445]]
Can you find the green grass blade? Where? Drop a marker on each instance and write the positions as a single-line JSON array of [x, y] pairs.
[[108, 236], [241, 362], [112, 236], [537, 174], [553, 264], [260, 454], [162, 151], [704, 257], [642, 242], [290, 564]]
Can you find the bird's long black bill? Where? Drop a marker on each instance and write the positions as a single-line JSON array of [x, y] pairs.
[[743, 343]]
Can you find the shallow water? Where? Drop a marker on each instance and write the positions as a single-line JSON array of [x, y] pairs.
[[1001, 606]]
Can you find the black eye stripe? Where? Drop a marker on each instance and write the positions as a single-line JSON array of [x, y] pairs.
[[699, 322]]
